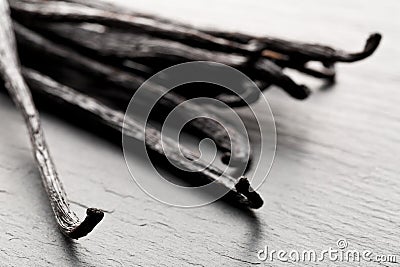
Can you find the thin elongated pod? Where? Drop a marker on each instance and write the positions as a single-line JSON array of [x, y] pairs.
[[10, 72]]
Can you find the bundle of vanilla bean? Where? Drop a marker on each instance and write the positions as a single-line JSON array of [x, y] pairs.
[[90, 57]]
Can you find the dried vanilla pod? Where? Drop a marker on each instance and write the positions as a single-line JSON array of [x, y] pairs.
[[67, 220]]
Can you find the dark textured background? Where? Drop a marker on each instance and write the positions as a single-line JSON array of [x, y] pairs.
[[336, 172]]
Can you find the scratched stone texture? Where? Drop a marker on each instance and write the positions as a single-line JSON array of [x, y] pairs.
[[336, 172]]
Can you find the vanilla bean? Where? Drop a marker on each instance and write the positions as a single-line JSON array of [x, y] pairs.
[[305, 51], [123, 44], [297, 51], [32, 41], [156, 54], [239, 190], [295, 55], [71, 12], [162, 53], [67, 220], [231, 141]]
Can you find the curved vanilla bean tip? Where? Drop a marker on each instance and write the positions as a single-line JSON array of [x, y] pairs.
[[93, 217], [371, 45], [243, 187]]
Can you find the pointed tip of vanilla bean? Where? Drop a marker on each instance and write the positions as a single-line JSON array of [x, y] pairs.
[[93, 217], [243, 187], [371, 45]]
